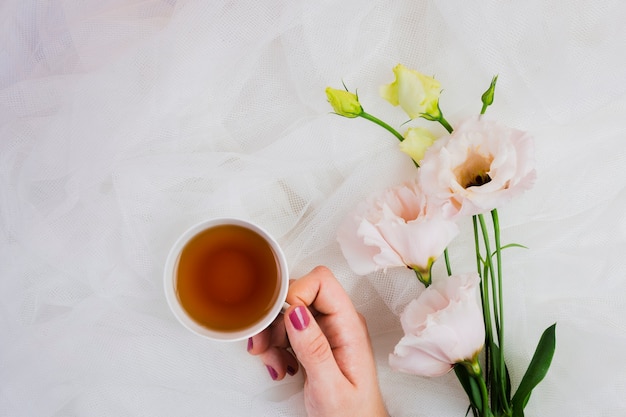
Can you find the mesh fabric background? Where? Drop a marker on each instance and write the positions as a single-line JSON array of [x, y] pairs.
[[123, 122]]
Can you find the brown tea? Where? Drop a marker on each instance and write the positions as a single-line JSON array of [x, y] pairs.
[[227, 278]]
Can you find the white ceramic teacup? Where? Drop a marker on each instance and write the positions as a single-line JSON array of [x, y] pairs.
[[171, 280]]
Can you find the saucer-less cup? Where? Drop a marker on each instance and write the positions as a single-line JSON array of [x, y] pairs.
[[226, 279]]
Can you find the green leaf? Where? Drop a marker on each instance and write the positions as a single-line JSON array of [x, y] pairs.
[[513, 245], [510, 245], [469, 385], [537, 370], [472, 409]]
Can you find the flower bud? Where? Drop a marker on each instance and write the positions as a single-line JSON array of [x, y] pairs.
[[487, 97], [416, 141], [416, 93], [344, 102]]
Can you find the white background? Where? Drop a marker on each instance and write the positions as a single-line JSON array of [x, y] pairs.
[[123, 122]]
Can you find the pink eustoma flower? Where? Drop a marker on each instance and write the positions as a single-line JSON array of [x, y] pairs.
[[478, 167], [443, 326], [396, 228]]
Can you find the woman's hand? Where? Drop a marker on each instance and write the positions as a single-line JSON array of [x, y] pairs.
[[330, 340]]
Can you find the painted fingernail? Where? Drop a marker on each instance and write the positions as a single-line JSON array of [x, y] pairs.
[[299, 318], [250, 344], [290, 370], [272, 372]]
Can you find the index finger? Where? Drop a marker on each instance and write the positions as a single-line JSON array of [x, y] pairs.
[[320, 289], [342, 325]]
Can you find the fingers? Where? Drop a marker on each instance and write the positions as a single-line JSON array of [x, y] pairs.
[[333, 344], [342, 328], [271, 347], [273, 336], [311, 345], [279, 362]]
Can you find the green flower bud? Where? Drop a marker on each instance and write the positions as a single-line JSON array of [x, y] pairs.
[[344, 103], [487, 97]]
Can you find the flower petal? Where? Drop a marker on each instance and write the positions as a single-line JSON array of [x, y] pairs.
[[419, 241], [358, 254], [409, 359]]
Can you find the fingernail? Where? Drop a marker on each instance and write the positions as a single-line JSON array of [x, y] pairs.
[[290, 370], [299, 318], [250, 345], [272, 372]]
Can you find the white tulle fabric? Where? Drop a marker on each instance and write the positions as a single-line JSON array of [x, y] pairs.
[[123, 122]]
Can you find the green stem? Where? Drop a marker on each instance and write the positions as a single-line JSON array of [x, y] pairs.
[[445, 124], [496, 233], [486, 411], [497, 303], [484, 296], [496, 355], [492, 275], [447, 259], [423, 277], [438, 118], [388, 128], [382, 124], [484, 291], [476, 243]]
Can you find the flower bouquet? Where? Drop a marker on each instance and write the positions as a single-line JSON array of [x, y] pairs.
[[457, 322]]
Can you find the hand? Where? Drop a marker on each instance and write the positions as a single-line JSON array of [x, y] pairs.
[[330, 340]]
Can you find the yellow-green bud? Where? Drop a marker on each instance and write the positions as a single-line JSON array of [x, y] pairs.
[[416, 93], [344, 102], [416, 141]]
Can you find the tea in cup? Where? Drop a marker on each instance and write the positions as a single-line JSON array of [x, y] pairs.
[[226, 279]]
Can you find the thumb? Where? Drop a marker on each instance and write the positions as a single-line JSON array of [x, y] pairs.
[[310, 345]]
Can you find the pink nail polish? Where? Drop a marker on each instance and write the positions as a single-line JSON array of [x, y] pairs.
[[272, 372], [299, 317], [250, 345]]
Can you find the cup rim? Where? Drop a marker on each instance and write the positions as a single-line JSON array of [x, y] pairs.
[[169, 281]]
